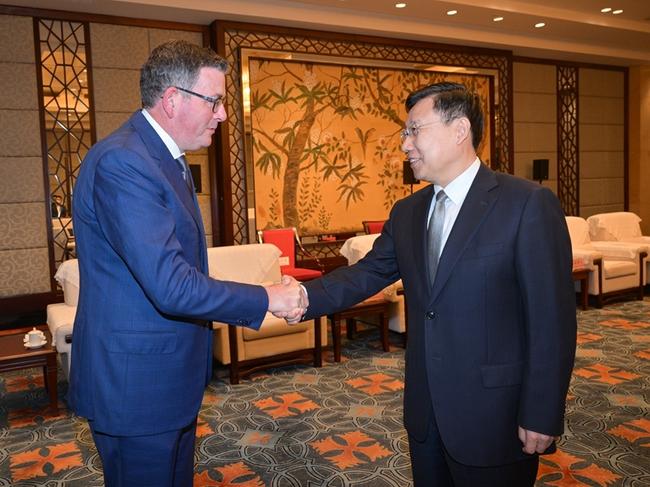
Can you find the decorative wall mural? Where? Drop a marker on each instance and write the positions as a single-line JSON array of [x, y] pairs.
[[325, 140]]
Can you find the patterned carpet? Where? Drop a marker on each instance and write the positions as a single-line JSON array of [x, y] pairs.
[[342, 425]]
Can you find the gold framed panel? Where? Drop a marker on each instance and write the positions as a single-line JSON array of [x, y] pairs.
[[235, 184], [321, 135]]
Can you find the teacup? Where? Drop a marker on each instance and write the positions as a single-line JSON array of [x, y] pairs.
[[35, 337]]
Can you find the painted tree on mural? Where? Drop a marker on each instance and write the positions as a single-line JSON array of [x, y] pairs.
[[319, 123]]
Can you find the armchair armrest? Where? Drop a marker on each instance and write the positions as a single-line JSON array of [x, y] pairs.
[[585, 258], [620, 250]]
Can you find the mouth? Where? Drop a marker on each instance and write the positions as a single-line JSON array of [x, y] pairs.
[[413, 161]]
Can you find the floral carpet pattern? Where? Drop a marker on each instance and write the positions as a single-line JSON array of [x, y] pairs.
[[342, 425]]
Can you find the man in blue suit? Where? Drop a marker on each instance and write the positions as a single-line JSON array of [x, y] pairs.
[[142, 343], [485, 259]]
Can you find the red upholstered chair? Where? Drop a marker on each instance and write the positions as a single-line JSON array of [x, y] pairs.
[[286, 240], [373, 226]]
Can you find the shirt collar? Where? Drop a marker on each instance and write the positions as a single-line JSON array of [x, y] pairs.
[[459, 187], [165, 137]]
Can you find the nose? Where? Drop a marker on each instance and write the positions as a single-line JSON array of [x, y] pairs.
[[220, 114], [407, 144]]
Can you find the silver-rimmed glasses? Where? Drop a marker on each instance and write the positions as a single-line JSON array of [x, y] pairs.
[[414, 130], [216, 101]]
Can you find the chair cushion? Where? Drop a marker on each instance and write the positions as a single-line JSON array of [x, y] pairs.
[[619, 268], [620, 225], [578, 230], [355, 248], [60, 320], [250, 264], [283, 239], [67, 275], [272, 326]]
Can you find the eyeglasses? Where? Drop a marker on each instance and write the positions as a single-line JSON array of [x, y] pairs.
[[414, 130], [216, 101]]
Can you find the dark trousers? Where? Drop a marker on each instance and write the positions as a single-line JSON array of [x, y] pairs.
[[161, 460], [433, 467]]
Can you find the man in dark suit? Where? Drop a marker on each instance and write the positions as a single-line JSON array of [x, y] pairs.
[[485, 259], [142, 341]]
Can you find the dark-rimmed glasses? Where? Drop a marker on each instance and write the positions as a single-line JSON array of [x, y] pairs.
[[216, 101]]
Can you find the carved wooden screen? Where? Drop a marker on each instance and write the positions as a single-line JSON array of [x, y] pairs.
[[63, 75], [567, 139]]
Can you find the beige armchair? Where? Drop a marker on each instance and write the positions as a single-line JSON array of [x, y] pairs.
[[354, 249], [619, 226], [616, 268], [275, 342]]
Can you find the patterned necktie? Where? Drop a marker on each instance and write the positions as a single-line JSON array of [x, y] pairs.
[[186, 172], [434, 233]]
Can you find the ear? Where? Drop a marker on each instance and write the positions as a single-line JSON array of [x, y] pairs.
[[169, 100], [463, 130]]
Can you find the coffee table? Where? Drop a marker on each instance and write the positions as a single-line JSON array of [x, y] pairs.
[[15, 356]]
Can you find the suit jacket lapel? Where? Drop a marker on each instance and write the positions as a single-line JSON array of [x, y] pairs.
[[168, 165], [420, 220], [478, 202]]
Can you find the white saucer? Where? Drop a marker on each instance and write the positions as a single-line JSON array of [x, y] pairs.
[[36, 345]]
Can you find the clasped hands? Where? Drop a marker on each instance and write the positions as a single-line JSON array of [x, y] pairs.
[[287, 300]]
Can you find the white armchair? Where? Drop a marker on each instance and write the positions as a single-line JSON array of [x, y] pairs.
[[60, 316], [354, 249], [275, 341], [620, 226], [616, 268]]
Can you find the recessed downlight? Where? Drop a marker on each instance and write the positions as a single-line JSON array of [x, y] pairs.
[[400, 5], [452, 12], [606, 10], [497, 19], [539, 25], [617, 12]]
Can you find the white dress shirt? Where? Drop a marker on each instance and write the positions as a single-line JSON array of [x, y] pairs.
[[166, 138], [456, 192]]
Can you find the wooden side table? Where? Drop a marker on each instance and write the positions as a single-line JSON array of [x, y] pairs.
[[15, 356], [582, 275], [376, 304]]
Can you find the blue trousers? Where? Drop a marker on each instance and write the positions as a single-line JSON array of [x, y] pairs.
[[160, 460]]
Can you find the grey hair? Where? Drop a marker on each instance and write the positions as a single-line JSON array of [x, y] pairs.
[[175, 63]]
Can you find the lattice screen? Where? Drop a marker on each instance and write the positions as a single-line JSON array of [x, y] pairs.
[[567, 139], [66, 115]]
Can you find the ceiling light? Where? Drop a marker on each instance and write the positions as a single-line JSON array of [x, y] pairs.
[[400, 5], [606, 9], [539, 25], [452, 12], [497, 19], [619, 11]]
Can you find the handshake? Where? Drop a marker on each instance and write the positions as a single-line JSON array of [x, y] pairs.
[[288, 300]]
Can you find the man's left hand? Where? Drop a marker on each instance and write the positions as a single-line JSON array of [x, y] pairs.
[[534, 442]]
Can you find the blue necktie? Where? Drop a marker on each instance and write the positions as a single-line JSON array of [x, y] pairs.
[[187, 177]]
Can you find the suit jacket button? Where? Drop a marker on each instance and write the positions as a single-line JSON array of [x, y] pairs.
[[431, 315]]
